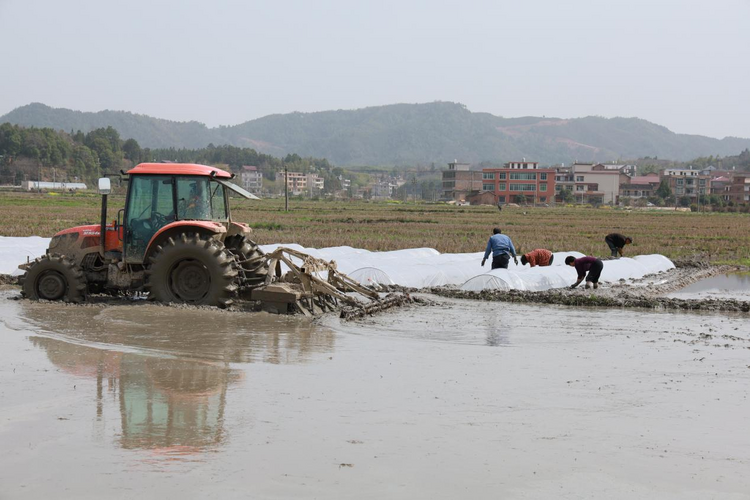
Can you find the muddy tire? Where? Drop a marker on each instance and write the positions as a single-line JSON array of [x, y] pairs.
[[250, 258], [191, 270], [54, 277]]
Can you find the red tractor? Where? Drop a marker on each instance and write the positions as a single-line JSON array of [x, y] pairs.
[[175, 239]]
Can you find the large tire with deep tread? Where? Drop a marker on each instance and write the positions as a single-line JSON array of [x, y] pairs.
[[54, 277], [191, 270], [251, 259]]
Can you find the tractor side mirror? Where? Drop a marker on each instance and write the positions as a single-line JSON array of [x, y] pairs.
[[104, 186]]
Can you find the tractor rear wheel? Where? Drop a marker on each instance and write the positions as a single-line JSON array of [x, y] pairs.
[[192, 270], [251, 259], [54, 277]]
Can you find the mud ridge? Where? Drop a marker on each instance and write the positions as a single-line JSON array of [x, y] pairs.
[[647, 293], [591, 299], [7, 279]]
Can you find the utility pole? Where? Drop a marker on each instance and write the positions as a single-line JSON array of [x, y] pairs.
[[286, 190]]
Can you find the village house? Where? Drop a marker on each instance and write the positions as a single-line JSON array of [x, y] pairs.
[[640, 186], [252, 179], [520, 182], [739, 191], [300, 183], [459, 181], [589, 183], [687, 182]]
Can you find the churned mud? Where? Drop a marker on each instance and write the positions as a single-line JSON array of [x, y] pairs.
[[464, 399]]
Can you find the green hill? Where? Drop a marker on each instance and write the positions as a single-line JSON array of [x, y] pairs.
[[404, 134]]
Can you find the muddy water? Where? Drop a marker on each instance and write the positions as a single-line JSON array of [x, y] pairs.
[[467, 399], [722, 286]]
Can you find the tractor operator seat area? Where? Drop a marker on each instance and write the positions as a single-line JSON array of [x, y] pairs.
[[157, 200]]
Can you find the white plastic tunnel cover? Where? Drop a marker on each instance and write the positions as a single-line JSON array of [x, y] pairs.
[[556, 276], [414, 267]]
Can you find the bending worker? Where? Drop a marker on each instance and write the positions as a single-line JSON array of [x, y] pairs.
[[501, 248], [539, 257], [616, 242], [589, 264]]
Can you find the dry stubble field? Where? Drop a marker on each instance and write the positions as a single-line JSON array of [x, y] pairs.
[[722, 237]]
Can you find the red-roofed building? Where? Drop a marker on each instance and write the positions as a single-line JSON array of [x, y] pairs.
[[640, 186]]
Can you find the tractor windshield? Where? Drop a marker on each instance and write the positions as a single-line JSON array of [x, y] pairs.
[[199, 198]]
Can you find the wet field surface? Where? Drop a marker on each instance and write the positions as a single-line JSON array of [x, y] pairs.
[[722, 286], [460, 400]]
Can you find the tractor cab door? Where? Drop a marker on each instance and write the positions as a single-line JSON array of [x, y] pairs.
[[150, 206]]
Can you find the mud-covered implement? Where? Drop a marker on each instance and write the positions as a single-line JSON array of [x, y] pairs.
[[313, 286], [176, 240]]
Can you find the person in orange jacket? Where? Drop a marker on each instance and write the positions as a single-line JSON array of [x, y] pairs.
[[539, 257]]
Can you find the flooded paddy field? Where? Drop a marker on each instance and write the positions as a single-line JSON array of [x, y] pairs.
[[461, 399], [722, 286]]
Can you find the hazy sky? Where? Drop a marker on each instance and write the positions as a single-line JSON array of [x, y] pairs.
[[680, 63]]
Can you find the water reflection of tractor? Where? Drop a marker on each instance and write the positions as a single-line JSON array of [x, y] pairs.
[[176, 240], [172, 405], [165, 404]]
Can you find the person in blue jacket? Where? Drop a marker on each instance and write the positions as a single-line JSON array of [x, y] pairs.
[[502, 248]]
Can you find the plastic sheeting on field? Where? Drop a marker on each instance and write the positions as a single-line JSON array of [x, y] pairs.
[[16, 250], [414, 267], [545, 278], [426, 267]]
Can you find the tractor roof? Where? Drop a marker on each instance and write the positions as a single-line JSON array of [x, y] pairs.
[[178, 169]]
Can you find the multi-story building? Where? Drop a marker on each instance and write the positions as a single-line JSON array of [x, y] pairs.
[[252, 179], [640, 186], [459, 181], [316, 182], [739, 191], [721, 186], [620, 167], [299, 182], [686, 182], [383, 190], [589, 184], [520, 182], [564, 180]]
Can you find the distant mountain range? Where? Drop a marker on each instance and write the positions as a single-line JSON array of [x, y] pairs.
[[403, 134]]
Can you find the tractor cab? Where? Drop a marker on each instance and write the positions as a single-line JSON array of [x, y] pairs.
[[164, 196]]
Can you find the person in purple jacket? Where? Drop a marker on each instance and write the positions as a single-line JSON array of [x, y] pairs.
[[589, 264]]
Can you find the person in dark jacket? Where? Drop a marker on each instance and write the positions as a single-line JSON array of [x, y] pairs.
[[589, 264], [616, 242], [501, 248]]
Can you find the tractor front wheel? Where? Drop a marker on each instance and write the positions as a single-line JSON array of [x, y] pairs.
[[192, 270], [54, 277]]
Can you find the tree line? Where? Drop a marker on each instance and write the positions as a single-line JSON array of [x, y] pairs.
[[86, 157]]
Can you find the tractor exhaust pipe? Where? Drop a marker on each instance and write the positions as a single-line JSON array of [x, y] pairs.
[[104, 189]]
